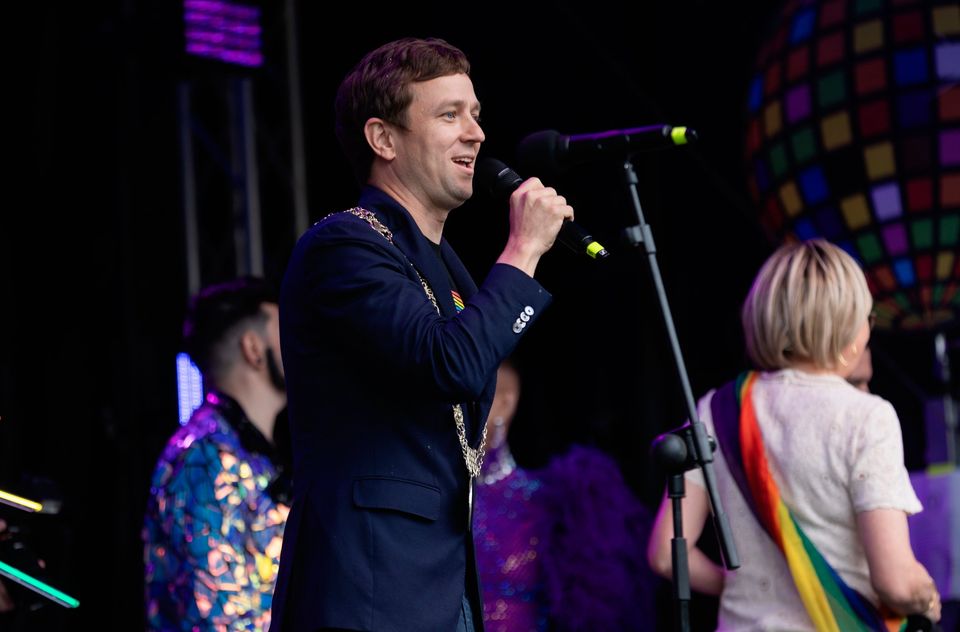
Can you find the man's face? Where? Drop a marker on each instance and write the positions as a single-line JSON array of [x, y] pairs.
[[437, 149]]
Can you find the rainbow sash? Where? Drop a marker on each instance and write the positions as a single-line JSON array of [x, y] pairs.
[[831, 603]]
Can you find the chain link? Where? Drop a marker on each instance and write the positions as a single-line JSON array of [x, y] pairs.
[[472, 458]]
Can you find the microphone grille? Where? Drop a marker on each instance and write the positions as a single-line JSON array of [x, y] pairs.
[[539, 152], [495, 178]]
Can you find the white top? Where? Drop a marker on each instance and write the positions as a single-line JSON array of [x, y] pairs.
[[833, 451]]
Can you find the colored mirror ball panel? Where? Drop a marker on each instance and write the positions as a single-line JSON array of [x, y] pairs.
[[853, 134]]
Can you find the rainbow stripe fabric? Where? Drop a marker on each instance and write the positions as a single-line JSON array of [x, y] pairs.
[[831, 603], [457, 301]]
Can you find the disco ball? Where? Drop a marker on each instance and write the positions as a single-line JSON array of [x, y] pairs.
[[853, 134]]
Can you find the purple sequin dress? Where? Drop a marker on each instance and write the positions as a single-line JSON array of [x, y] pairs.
[[508, 527], [561, 548]]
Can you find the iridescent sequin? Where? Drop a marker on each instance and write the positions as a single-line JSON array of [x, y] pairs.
[[507, 525], [212, 534]]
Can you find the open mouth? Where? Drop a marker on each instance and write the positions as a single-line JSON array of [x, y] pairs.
[[466, 162]]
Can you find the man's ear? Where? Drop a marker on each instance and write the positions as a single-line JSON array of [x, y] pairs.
[[379, 136], [251, 348]]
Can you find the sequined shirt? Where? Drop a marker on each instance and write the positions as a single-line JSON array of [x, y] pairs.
[[509, 524], [212, 533]]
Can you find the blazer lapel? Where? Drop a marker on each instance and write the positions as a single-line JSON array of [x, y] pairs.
[[467, 288], [424, 258], [412, 243], [422, 254], [465, 284]]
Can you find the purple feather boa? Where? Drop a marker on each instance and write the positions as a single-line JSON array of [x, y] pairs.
[[594, 560]]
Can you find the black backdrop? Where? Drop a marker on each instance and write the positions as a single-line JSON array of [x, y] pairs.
[[92, 275]]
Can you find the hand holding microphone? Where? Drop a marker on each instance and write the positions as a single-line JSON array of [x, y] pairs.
[[535, 199]]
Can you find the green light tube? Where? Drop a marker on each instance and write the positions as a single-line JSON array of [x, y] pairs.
[[38, 586]]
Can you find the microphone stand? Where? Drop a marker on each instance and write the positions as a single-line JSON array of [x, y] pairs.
[[694, 432], [673, 451]]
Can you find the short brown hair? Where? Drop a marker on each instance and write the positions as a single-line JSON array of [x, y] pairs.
[[378, 87], [806, 304]]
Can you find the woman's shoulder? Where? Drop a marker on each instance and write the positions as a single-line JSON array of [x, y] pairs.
[[821, 387]]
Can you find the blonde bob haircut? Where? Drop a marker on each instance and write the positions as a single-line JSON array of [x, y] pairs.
[[806, 304]]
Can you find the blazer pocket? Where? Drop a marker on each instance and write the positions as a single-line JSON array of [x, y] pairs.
[[377, 492]]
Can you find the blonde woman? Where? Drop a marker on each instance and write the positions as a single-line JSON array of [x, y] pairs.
[[809, 469]]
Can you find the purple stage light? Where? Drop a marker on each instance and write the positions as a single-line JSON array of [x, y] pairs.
[[223, 31]]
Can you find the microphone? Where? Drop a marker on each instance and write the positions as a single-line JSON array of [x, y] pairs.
[[501, 181], [555, 151]]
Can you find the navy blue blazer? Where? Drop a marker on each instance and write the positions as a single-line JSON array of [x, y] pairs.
[[377, 536]]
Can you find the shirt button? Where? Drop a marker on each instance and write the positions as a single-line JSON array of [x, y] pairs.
[[524, 317], [528, 310]]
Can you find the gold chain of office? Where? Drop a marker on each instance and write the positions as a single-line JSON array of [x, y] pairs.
[[472, 458]]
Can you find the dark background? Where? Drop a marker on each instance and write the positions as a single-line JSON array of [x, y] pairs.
[[93, 278]]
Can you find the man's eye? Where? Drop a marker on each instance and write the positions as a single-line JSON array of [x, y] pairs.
[[450, 115]]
